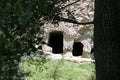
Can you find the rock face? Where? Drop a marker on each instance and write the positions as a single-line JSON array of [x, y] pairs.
[[66, 34], [46, 49], [86, 48]]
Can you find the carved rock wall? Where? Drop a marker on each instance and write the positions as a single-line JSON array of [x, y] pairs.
[[83, 12]]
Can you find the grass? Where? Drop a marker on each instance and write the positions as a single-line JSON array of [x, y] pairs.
[[42, 69]]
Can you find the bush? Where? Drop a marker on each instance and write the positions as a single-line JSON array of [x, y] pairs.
[[57, 70]]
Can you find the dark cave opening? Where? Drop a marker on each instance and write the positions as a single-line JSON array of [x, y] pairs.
[[56, 41], [77, 49]]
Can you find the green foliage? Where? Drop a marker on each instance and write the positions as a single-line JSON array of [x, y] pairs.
[[57, 70], [20, 30]]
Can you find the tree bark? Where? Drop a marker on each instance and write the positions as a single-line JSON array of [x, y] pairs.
[[106, 39]]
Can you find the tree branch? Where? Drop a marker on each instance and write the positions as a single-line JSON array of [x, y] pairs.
[[73, 21], [70, 4]]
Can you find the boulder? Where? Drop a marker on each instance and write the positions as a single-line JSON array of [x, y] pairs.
[[47, 50]]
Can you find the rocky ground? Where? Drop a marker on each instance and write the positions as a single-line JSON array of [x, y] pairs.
[[76, 59]]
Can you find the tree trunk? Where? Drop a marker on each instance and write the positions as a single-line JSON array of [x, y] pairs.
[[106, 39]]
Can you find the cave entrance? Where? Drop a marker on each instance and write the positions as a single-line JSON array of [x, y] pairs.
[[77, 49], [56, 41]]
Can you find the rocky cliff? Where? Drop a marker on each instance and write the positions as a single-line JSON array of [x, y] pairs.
[[75, 39]]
